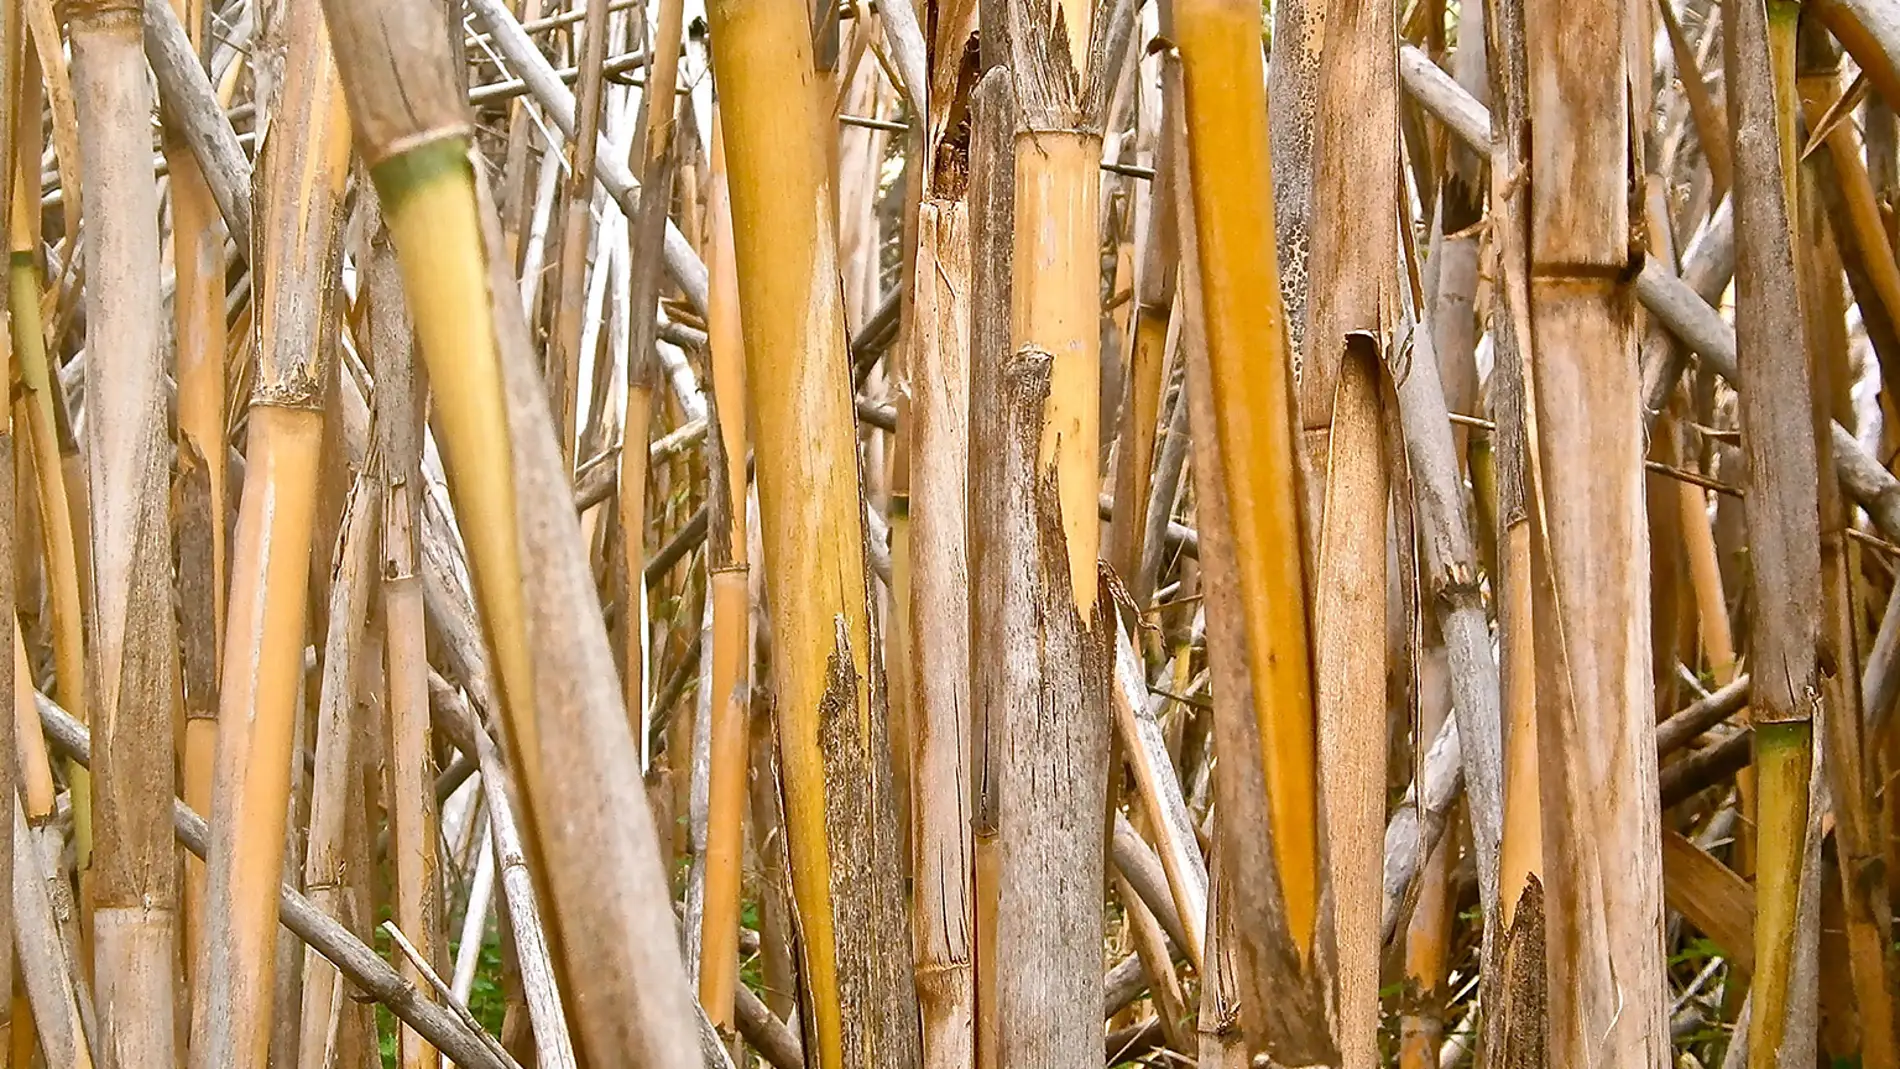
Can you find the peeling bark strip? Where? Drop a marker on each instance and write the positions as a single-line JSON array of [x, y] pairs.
[[1054, 763], [861, 827], [1522, 1035]]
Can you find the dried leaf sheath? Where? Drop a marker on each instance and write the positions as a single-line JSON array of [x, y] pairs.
[[1350, 617]]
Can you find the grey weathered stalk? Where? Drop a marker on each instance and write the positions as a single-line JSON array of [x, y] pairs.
[[1451, 582], [1052, 762]]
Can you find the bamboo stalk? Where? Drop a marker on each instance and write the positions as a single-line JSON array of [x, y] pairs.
[[546, 641], [648, 226], [939, 606], [1517, 1027], [840, 817], [1783, 522], [62, 543], [199, 326], [1349, 311], [399, 401], [1594, 687], [731, 617], [1866, 908], [992, 212], [338, 765], [1249, 413], [564, 356], [301, 225], [1147, 348], [134, 890]]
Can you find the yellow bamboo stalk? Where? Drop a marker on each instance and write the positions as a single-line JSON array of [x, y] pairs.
[[732, 616], [1054, 309], [1253, 407], [1227, 136], [306, 168], [61, 543], [840, 824], [199, 325]]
